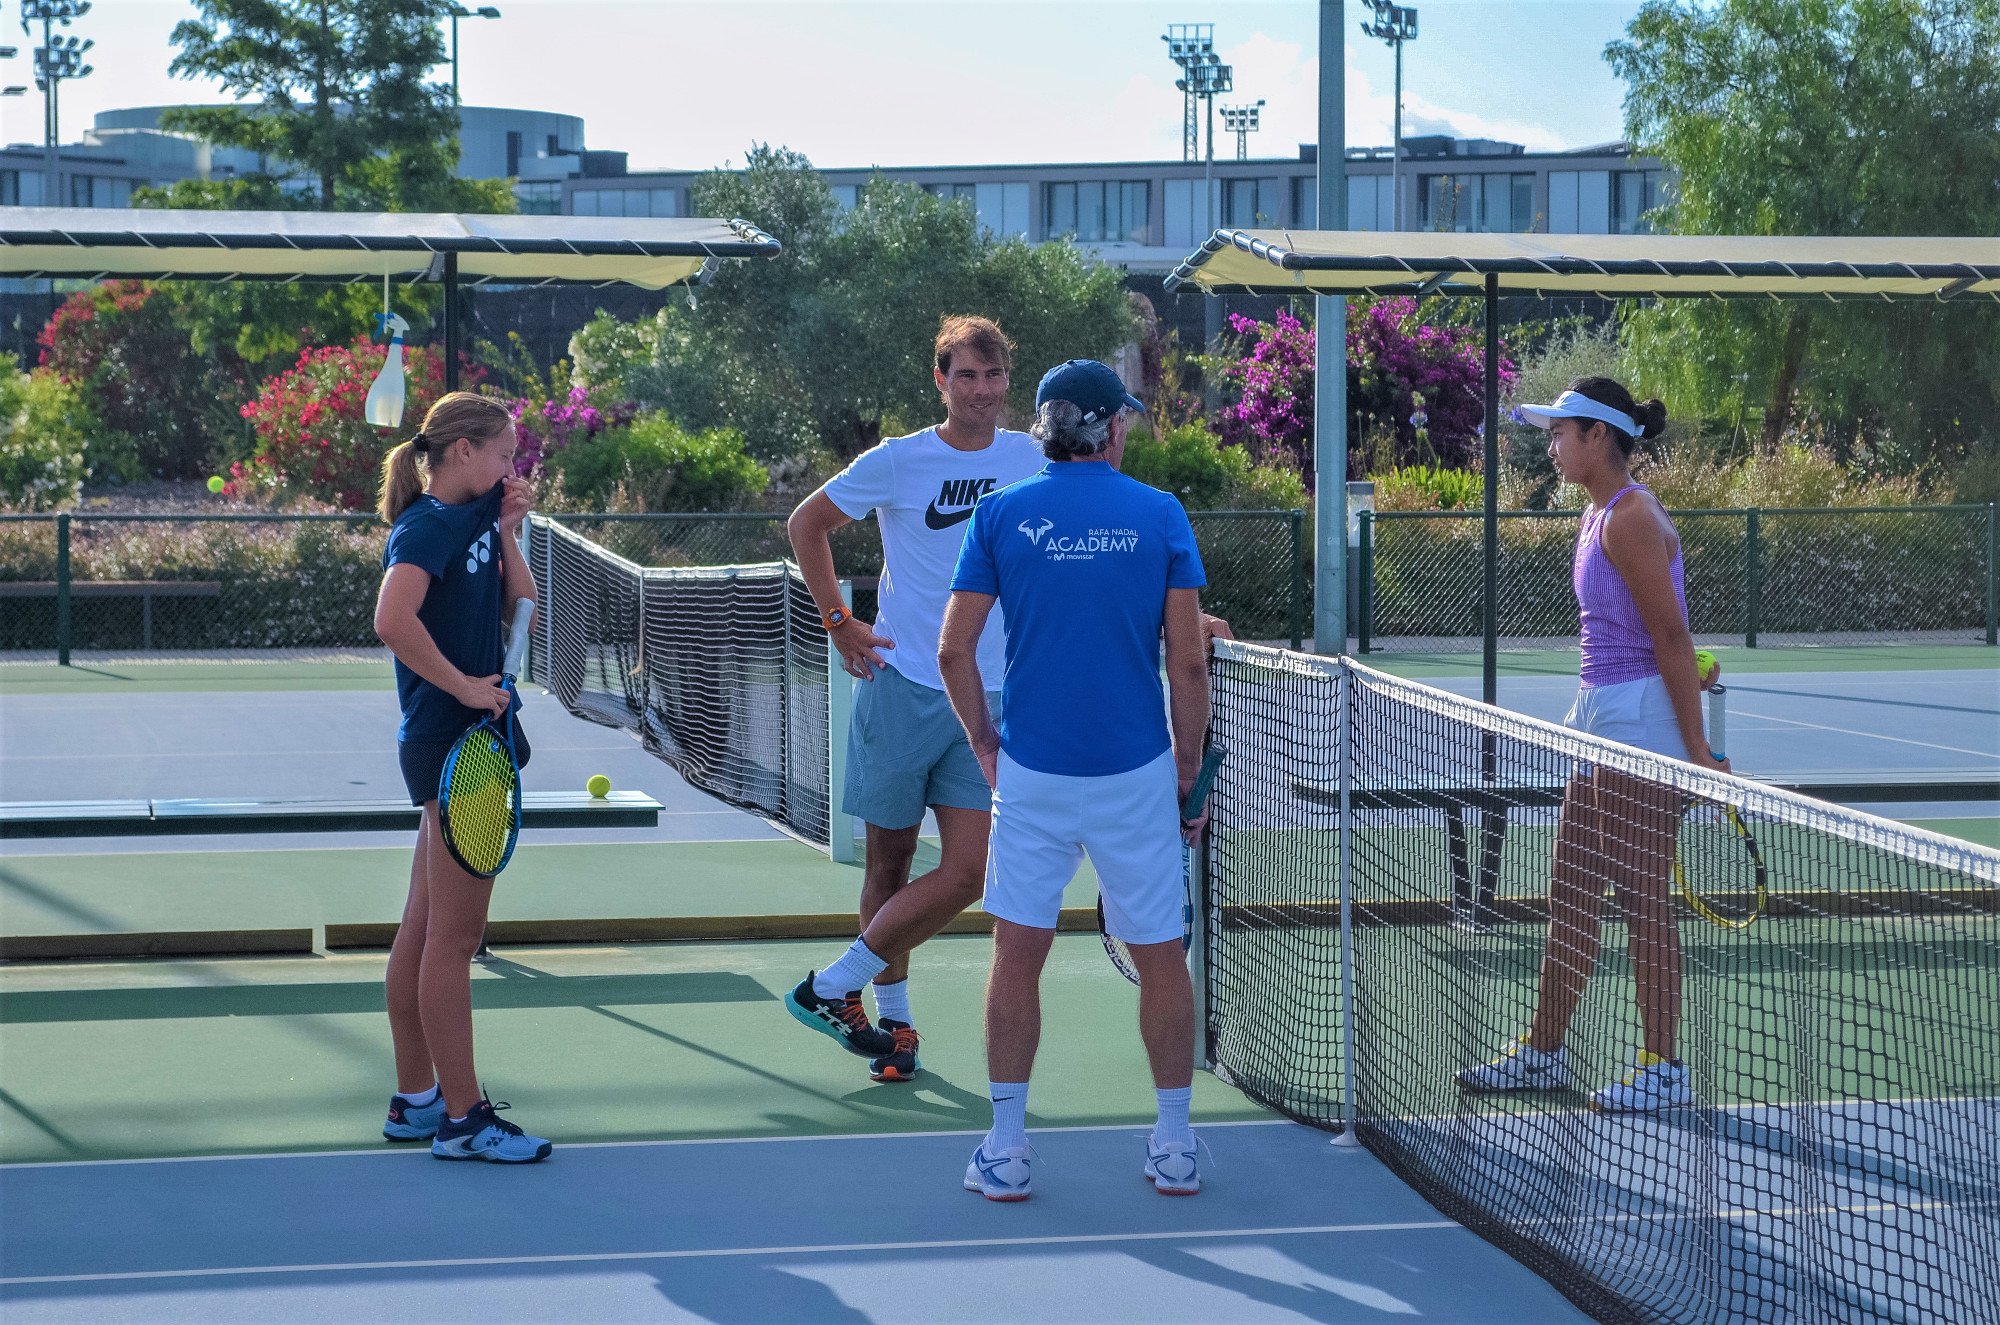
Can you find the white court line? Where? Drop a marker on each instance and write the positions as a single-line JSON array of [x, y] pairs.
[[400, 1153], [680, 1254], [527, 834], [1849, 731]]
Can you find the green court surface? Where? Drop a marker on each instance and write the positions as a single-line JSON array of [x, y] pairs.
[[599, 1044], [224, 890], [1986, 832], [85, 678], [1736, 661]]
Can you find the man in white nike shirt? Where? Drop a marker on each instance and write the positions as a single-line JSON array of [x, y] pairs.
[[906, 749]]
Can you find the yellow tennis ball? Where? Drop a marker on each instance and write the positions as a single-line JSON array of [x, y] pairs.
[[599, 785], [1704, 664], [215, 483]]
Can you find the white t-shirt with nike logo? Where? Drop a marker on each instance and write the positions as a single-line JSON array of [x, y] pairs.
[[923, 491]]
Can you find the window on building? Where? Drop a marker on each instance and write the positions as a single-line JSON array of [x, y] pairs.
[[626, 202], [1633, 194], [847, 195], [1003, 209], [555, 145], [1250, 204], [513, 152], [10, 188], [1305, 201], [539, 198], [1491, 202], [1371, 202], [968, 192], [1099, 211]]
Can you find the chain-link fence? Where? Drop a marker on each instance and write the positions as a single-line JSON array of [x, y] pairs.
[[1827, 575]]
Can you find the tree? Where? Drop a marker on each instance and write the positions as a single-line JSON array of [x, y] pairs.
[[829, 345], [1824, 117], [342, 90]]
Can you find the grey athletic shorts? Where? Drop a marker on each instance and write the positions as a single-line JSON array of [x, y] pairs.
[[905, 750]]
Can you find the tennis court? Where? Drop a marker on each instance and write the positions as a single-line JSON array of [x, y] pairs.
[[200, 1133]]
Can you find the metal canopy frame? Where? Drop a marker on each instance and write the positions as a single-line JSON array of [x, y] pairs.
[[1615, 267]]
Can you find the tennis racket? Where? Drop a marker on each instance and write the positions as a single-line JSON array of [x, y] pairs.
[[1114, 948], [479, 795], [1719, 868]]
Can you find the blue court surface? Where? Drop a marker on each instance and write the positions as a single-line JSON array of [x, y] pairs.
[[863, 1228]]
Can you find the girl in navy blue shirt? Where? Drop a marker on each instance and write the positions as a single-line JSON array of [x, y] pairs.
[[452, 568]]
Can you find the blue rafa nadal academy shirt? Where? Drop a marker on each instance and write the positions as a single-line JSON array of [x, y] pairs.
[[1081, 558], [460, 548]]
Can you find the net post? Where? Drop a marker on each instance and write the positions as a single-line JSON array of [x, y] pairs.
[[527, 545], [1349, 1112], [62, 589], [548, 606], [839, 705], [1753, 576], [1992, 574]]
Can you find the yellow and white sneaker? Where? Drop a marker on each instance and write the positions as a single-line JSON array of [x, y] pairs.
[[1520, 1066], [1653, 1083]]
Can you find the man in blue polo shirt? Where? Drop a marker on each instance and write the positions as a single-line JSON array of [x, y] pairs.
[[1090, 568]]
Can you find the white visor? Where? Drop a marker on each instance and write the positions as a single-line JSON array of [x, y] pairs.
[[1570, 405]]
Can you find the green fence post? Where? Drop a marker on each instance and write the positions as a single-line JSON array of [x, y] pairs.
[[1365, 561], [62, 589], [1992, 574], [1297, 520], [1753, 577]]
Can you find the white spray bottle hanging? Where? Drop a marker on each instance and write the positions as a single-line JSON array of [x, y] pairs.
[[385, 398]]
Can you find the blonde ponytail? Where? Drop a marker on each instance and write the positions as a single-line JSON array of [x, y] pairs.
[[457, 415], [402, 480]]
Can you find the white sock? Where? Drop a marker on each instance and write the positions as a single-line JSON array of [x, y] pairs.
[[420, 1098], [893, 1001], [1010, 1115], [1173, 1125], [856, 967]]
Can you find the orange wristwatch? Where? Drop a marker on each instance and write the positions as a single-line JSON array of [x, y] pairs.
[[839, 616]]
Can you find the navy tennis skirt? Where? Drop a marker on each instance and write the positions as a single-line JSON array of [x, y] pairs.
[[423, 761]]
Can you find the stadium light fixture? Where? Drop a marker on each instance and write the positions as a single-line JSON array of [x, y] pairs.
[[1394, 24], [458, 12], [56, 59], [1203, 77], [1243, 121]]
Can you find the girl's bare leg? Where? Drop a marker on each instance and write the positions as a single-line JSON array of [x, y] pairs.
[[456, 921], [1576, 903], [1640, 834], [415, 1072]]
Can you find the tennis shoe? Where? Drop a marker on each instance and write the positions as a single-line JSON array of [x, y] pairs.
[[844, 1019], [1171, 1167], [901, 1065], [413, 1122], [484, 1134], [1652, 1084], [999, 1175], [1520, 1066]]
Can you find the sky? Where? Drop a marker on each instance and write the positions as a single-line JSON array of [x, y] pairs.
[[943, 82]]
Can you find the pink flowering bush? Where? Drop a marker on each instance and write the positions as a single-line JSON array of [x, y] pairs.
[[549, 425], [1397, 360], [312, 438]]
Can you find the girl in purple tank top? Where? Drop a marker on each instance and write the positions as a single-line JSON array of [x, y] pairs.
[[1638, 684]]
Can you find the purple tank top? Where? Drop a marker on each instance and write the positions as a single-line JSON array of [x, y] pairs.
[[1616, 645]]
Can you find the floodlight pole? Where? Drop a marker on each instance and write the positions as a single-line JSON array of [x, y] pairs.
[[55, 60], [1394, 24], [458, 12], [1490, 514], [1330, 353]]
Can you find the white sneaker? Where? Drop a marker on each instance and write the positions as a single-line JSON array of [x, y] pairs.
[[1171, 1167], [1520, 1066], [1647, 1087], [999, 1175]]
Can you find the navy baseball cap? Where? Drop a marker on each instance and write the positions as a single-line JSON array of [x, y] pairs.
[[1091, 386]]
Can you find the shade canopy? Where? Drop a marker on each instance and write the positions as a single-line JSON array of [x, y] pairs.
[[147, 243], [1337, 262]]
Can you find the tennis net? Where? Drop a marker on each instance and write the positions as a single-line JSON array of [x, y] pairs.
[[1838, 1006], [721, 671]]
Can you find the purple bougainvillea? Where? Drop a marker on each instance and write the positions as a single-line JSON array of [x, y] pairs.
[[552, 425], [1395, 355]]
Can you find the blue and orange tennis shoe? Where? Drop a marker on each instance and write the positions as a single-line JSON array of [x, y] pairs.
[[484, 1134], [413, 1122], [844, 1019], [901, 1065]]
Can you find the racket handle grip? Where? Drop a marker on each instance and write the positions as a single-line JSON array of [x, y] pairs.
[[517, 636], [1718, 720]]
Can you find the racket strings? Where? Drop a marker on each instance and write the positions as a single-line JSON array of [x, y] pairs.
[[479, 802]]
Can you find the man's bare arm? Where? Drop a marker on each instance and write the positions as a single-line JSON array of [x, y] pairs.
[[810, 528], [1187, 681], [958, 662]]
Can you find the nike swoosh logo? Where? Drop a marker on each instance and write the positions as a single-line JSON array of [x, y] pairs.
[[937, 519]]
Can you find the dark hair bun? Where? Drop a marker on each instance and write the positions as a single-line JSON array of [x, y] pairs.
[[1651, 418]]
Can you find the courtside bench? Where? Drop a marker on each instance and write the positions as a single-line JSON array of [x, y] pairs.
[[176, 818]]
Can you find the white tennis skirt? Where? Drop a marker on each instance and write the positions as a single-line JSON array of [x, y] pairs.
[[1638, 713], [1129, 823]]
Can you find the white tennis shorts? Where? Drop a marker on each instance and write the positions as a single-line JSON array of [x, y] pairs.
[[1636, 713], [1128, 822]]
